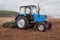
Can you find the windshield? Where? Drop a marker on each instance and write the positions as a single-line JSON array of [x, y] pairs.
[[34, 10]]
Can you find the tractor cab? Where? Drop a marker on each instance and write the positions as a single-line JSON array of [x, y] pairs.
[[28, 10], [32, 13]]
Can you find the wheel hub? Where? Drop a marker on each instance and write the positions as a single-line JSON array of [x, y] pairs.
[[21, 23], [41, 27]]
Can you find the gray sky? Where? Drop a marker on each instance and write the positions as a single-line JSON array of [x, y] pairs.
[[49, 7]]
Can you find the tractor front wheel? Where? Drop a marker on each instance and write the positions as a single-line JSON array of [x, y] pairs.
[[41, 27]]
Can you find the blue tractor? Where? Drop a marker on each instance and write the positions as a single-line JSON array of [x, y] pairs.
[[30, 16]]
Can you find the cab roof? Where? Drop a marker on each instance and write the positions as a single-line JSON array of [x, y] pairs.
[[28, 6]]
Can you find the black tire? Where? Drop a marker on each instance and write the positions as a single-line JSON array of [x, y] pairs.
[[49, 25], [31, 26], [39, 25], [25, 20]]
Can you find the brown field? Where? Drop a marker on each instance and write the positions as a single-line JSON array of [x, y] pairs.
[[29, 34]]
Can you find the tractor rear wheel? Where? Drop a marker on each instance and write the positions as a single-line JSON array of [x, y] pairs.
[[22, 22], [41, 27]]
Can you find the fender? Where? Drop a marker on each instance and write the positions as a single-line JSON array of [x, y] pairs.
[[20, 15]]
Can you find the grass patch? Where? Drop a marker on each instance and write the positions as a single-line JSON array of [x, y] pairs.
[[7, 12]]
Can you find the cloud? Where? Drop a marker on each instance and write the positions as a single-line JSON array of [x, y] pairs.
[[49, 7], [1, 2]]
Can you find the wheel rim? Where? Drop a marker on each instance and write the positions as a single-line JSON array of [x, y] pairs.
[[21, 23], [41, 27]]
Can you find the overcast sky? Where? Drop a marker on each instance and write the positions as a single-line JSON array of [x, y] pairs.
[[49, 7]]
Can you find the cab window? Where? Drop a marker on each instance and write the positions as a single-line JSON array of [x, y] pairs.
[[34, 10], [22, 10], [27, 11]]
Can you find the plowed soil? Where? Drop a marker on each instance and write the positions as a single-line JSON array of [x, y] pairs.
[[29, 34]]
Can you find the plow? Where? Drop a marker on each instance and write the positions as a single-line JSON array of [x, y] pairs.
[[11, 24]]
